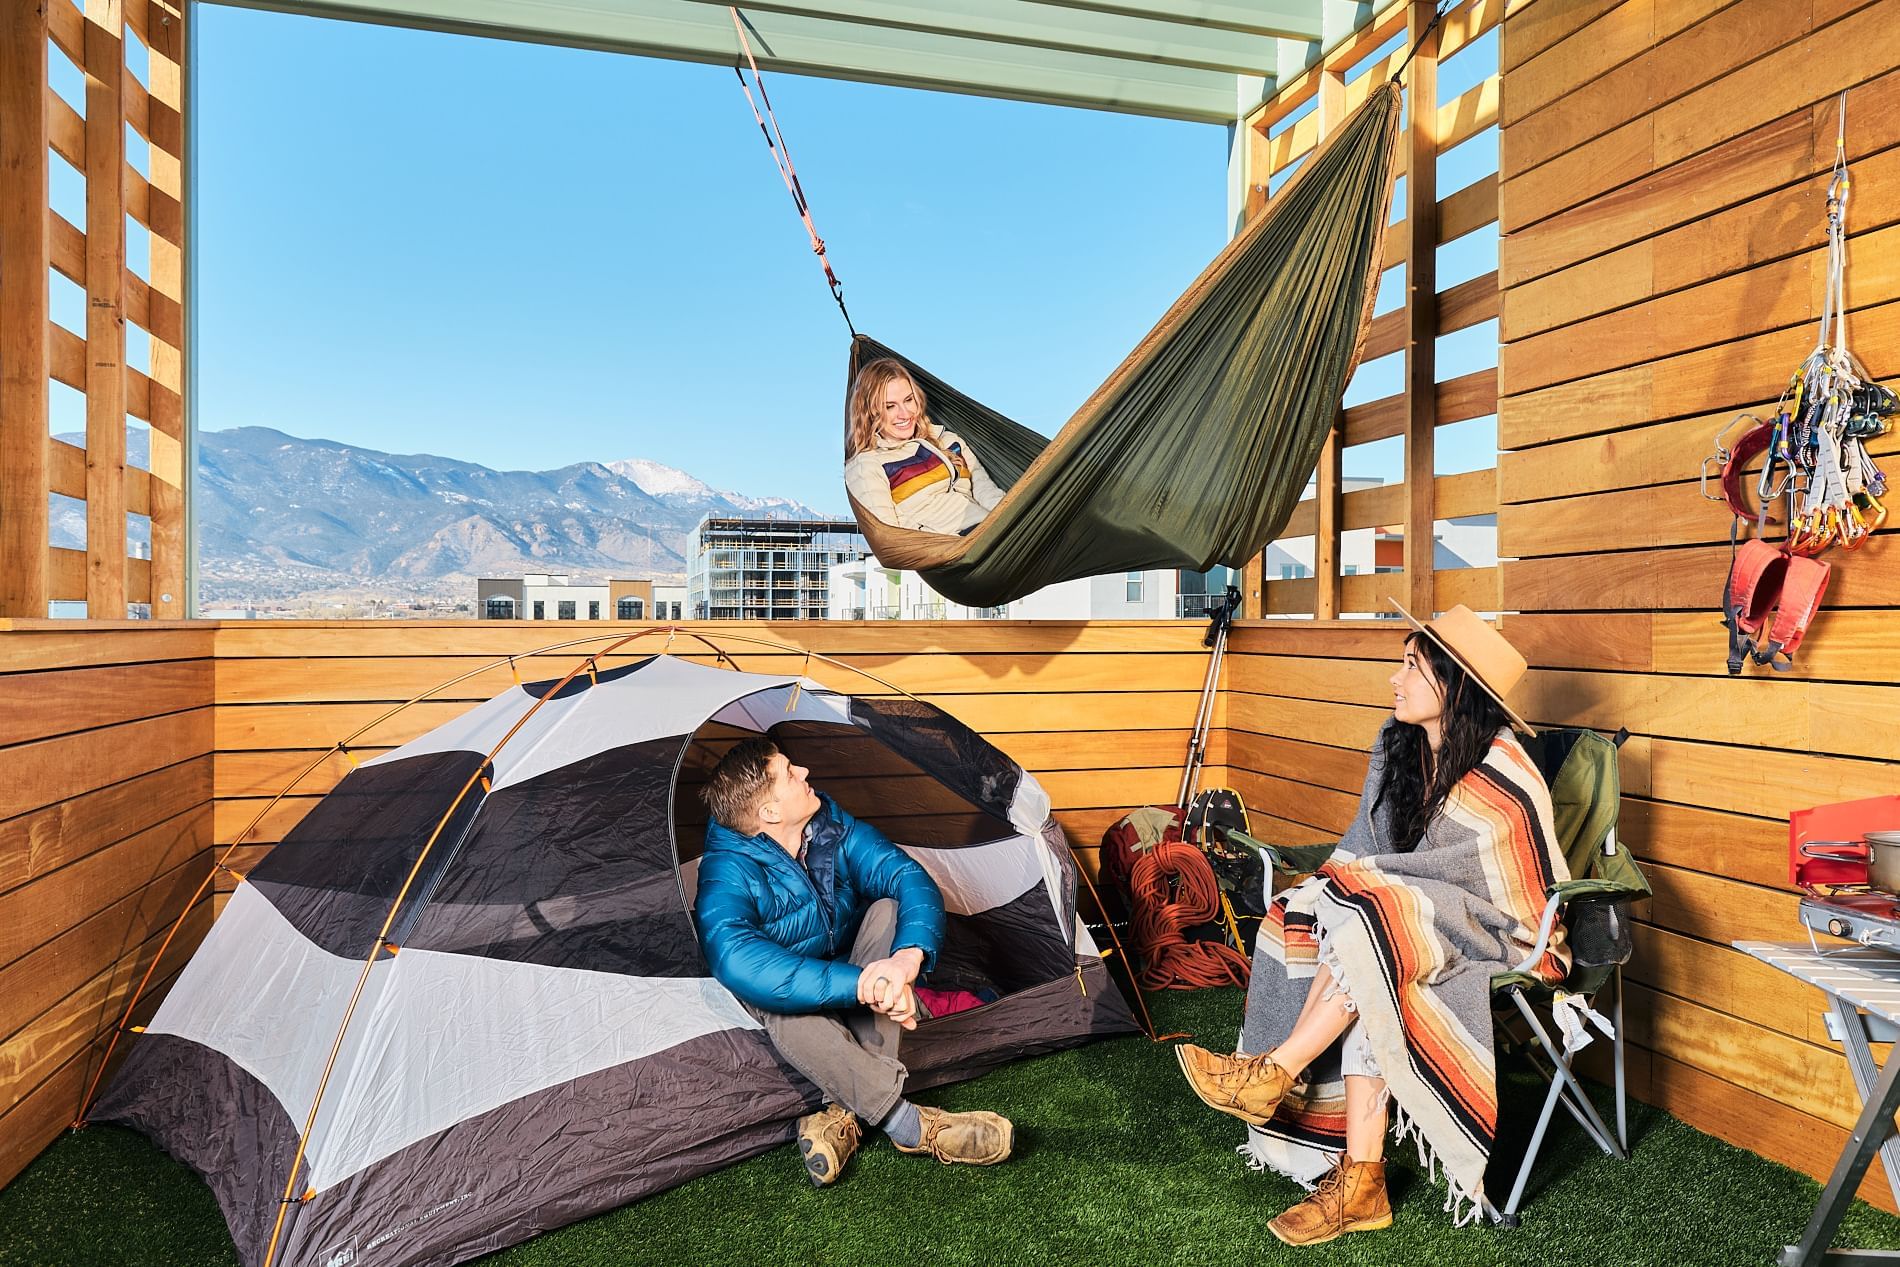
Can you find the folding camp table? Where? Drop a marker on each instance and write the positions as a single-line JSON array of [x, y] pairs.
[[1863, 989]]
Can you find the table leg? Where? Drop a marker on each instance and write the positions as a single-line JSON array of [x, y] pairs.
[[1860, 1061], [1871, 1130]]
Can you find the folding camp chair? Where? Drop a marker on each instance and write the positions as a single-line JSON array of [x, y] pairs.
[[1580, 767], [1594, 907]]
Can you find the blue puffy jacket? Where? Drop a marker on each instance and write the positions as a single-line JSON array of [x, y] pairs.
[[778, 934]]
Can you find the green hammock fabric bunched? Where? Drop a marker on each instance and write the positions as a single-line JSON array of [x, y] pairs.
[[1196, 449]]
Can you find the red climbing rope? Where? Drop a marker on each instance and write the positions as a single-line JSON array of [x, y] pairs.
[[1172, 888]]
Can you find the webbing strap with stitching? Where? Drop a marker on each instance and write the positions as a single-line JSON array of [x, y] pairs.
[[1802, 586], [1764, 581], [1752, 445]]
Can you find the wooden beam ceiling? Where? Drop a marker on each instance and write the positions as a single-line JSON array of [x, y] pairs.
[[1206, 61]]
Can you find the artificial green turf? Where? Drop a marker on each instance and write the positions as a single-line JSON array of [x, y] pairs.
[[1116, 1162]]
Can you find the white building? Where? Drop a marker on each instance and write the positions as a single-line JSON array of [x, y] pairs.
[[1468, 542], [556, 596], [864, 589], [669, 601], [741, 568]]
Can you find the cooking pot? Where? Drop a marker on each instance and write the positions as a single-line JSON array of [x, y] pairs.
[[1880, 850]]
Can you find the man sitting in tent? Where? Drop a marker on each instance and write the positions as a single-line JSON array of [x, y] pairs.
[[821, 926]]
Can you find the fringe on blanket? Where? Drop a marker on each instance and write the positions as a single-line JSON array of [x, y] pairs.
[[1464, 1207]]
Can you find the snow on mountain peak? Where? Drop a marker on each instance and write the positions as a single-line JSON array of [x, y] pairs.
[[657, 480]]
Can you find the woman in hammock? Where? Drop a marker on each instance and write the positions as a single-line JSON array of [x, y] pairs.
[[1371, 980], [902, 468]]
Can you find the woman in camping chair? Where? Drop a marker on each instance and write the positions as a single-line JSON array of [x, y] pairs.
[[1370, 993], [906, 471]]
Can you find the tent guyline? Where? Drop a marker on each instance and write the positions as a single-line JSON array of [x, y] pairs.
[[782, 159]]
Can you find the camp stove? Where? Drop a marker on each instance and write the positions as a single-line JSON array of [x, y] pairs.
[[1845, 888], [1867, 916]]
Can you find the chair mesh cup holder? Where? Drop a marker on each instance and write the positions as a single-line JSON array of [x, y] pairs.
[[1599, 933]]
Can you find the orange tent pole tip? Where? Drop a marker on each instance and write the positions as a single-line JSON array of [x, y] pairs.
[[138, 1029], [391, 947]]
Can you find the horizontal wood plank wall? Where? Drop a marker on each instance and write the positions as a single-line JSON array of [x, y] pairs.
[[105, 827], [1663, 165], [1099, 711], [1304, 700]]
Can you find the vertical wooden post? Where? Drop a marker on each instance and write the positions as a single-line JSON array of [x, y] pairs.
[[1421, 306], [1253, 589], [1327, 479], [25, 251], [105, 310], [1254, 172], [171, 447]]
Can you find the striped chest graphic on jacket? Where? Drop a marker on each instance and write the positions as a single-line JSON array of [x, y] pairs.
[[924, 469]]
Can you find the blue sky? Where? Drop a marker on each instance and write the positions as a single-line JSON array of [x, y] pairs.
[[528, 256]]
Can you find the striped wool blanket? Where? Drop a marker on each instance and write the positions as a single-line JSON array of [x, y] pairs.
[[1413, 938]]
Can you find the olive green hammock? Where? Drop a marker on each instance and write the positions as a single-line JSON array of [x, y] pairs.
[[1196, 449]]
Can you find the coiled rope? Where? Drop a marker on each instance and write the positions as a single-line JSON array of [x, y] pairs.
[[1172, 888]]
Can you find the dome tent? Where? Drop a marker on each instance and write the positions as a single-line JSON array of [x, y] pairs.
[[465, 1019]]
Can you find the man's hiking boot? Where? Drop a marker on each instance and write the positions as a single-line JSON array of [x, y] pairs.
[[1351, 1198], [1248, 1087], [827, 1139], [974, 1139]]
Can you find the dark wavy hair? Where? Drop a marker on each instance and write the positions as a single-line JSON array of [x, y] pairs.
[[1415, 785]]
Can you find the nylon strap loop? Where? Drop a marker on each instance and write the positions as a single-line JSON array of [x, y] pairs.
[[782, 159]]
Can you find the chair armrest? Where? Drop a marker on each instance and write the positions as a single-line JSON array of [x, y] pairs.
[[1569, 891], [1564, 893], [1290, 859]]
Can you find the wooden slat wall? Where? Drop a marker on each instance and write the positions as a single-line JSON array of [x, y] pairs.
[[33, 239], [1662, 198], [148, 748], [1099, 711], [105, 828], [1304, 701], [1414, 503]]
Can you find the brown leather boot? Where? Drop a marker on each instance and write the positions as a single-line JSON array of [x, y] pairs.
[[827, 1139], [1349, 1199], [1248, 1087], [973, 1139]]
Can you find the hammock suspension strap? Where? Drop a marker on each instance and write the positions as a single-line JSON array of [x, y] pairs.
[[782, 159], [1437, 15]]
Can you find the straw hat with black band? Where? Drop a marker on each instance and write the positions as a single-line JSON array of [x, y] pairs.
[[1480, 651]]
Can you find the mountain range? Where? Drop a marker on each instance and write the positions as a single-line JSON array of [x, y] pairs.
[[280, 518]]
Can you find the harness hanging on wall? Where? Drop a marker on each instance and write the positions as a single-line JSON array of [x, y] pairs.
[[1814, 456]]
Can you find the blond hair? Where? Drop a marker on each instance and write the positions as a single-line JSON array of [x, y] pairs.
[[738, 783], [866, 405]]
